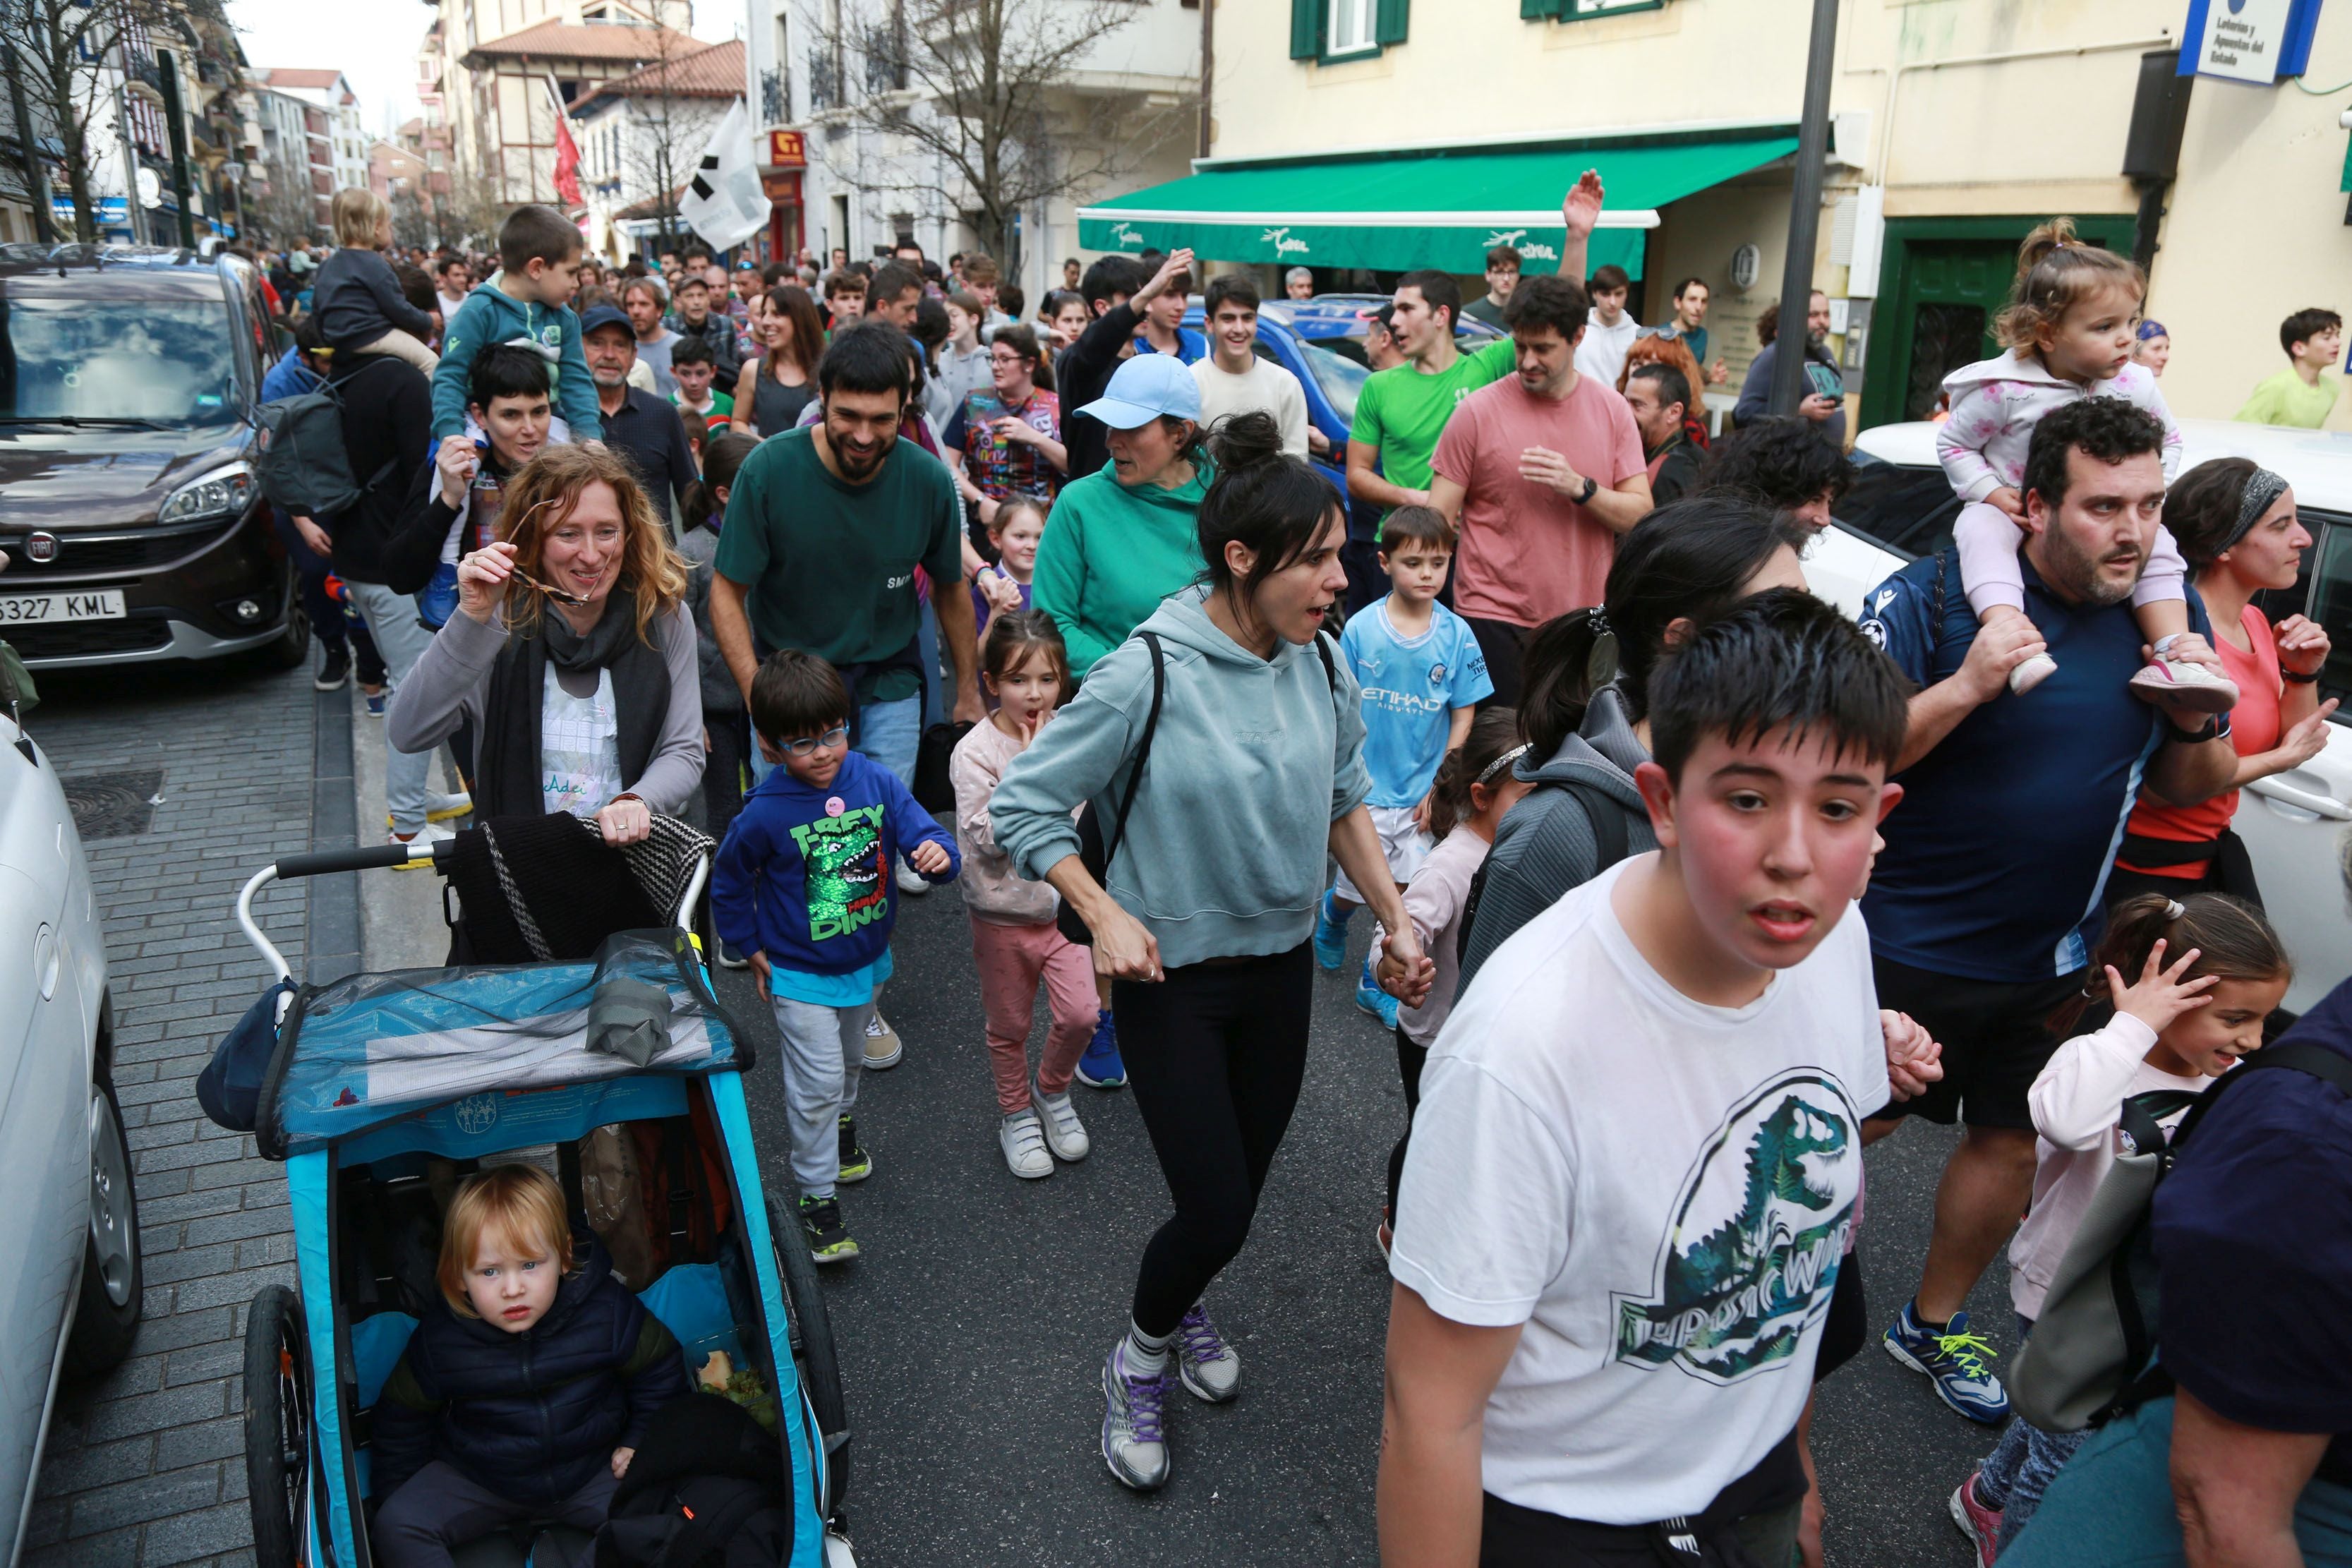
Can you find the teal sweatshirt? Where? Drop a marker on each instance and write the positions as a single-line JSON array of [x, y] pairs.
[[1111, 554], [491, 316], [1254, 760]]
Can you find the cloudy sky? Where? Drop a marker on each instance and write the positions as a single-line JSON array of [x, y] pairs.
[[373, 42]]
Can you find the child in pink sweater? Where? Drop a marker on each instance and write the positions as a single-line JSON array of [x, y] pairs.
[[2178, 1027], [1014, 941], [2070, 335]]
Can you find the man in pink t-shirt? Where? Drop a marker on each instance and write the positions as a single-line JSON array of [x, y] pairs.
[[1540, 472]]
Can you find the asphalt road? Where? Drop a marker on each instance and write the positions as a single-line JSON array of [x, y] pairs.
[[972, 1329]]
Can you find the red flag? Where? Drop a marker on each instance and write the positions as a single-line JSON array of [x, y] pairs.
[[567, 152]]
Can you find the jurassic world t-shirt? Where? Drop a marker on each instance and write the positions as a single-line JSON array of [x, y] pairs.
[[1659, 1191]]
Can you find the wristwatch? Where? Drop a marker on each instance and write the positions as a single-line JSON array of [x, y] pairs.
[[1592, 489]]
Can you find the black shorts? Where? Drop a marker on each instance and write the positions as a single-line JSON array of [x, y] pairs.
[[1996, 1037]]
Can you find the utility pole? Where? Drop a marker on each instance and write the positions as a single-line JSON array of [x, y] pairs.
[[1788, 385], [167, 64]]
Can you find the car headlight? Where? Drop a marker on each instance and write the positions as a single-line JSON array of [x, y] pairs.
[[224, 493]]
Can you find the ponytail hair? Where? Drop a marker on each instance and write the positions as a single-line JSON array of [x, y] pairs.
[[2056, 271], [1492, 735], [1277, 506], [2233, 938], [723, 459]]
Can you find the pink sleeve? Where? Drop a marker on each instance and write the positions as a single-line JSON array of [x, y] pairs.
[[2079, 1094], [2149, 396], [1625, 442], [2166, 575], [1987, 542], [1455, 446], [1976, 419]]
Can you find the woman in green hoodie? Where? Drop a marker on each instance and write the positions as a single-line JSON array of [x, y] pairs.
[[1122, 539], [1255, 772]]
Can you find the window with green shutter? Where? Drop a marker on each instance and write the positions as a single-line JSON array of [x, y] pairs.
[[1583, 10], [1330, 30]]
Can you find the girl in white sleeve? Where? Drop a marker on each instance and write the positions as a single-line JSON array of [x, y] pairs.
[[2069, 328]]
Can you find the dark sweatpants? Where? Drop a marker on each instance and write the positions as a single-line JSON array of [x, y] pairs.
[[438, 1509]]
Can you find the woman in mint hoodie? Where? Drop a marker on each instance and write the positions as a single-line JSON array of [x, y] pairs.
[[1123, 538], [1256, 772]]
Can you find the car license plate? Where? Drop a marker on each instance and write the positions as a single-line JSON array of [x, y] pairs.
[[32, 609]]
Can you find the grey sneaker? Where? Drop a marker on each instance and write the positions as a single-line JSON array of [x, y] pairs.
[[1208, 1365], [1134, 1433], [1065, 1134], [1024, 1142]]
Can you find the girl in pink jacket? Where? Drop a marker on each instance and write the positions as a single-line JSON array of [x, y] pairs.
[[2070, 335]]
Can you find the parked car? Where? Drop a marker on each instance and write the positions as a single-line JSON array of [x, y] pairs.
[[128, 505], [69, 1228], [1902, 507]]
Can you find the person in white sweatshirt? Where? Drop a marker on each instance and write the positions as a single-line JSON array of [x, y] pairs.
[[2210, 970]]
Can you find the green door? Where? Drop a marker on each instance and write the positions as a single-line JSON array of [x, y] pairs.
[[1942, 284]]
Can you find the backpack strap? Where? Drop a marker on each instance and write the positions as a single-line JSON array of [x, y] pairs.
[[2141, 1119], [1330, 670], [2318, 1061], [1142, 751], [1611, 844]]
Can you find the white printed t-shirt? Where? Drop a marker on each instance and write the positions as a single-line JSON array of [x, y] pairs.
[[1658, 1190], [579, 746]]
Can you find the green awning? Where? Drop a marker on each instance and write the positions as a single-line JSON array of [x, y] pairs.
[[1438, 207]]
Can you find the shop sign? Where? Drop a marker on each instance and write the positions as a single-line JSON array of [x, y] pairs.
[[2255, 41], [786, 149]]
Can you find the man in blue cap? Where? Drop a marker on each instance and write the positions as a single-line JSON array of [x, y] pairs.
[[644, 429]]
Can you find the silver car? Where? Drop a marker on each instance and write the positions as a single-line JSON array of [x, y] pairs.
[[70, 1280]]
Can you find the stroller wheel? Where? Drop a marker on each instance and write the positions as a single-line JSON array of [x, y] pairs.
[[813, 1356], [276, 1426]]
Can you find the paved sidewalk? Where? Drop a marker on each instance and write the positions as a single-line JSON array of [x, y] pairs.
[[146, 1464]]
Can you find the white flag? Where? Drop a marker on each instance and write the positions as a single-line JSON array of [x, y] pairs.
[[724, 201]]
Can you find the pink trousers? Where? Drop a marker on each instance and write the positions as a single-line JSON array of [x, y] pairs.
[[1012, 960]]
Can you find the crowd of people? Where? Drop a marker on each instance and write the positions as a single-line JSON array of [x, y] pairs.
[[1684, 886]]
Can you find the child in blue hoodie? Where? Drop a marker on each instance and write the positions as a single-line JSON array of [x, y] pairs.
[[803, 890], [529, 302]]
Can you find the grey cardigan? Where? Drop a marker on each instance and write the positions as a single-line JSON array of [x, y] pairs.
[[447, 688]]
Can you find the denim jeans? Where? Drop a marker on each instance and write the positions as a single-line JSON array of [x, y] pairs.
[[887, 731], [402, 639]]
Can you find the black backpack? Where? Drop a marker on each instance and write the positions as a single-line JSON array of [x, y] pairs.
[[707, 1490], [298, 458]]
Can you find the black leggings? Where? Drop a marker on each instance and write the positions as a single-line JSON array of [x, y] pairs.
[[1216, 1054], [1411, 1059]]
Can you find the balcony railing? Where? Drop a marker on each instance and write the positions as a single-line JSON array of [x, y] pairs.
[[824, 80], [775, 96]]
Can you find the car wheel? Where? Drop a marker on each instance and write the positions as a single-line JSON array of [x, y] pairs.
[[276, 1426], [813, 1354], [106, 1317], [292, 648]]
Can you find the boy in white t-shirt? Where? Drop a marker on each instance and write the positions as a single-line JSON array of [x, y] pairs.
[[1634, 1168], [1233, 378]]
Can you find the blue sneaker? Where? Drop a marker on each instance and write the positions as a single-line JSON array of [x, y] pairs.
[[1953, 1360], [1375, 1001], [1100, 1067], [1331, 935]]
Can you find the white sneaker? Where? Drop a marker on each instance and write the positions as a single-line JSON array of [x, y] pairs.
[[440, 807], [1065, 1134], [911, 882], [2032, 673], [2175, 683], [1024, 1142], [883, 1048], [420, 843]]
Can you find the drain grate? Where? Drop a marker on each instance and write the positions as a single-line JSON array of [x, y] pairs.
[[113, 805]]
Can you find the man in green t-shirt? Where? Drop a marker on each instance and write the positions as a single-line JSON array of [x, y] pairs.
[[826, 526], [1402, 410], [2304, 393]]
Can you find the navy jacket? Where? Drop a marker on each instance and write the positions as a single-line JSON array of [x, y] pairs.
[[532, 1416], [357, 300]]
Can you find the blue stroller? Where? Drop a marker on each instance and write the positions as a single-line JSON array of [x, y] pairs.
[[623, 1077]]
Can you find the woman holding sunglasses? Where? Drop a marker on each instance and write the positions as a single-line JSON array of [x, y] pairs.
[[571, 653]]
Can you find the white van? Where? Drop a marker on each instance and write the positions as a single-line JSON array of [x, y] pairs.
[[1902, 507]]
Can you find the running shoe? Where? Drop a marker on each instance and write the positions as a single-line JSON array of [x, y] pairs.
[[441, 806], [420, 843], [2175, 683], [883, 1048], [1953, 1360], [2032, 673], [856, 1165], [375, 702], [1100, 1067], [1331, 935], [1980, 1524], [829, 1240], [1208, 1365], [1024, 1142], [1375, 1001], [1134, 1429], [731, 959], [333, 671], [1065, 1134]]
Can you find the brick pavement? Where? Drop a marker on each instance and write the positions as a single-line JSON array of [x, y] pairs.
[[145, 1466]]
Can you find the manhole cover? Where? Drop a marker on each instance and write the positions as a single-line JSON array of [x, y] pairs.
[[113, 805]]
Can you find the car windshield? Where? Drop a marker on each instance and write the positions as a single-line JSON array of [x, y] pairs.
[[1339, 378], [169, 362]]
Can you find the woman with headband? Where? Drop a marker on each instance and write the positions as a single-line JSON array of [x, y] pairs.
[[2153, 348], [571, 653], [2237, 528]]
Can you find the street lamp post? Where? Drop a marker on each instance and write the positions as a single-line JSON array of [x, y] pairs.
[[1805, 212]]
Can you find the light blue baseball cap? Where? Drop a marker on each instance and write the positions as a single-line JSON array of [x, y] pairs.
[[1145, 388]]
